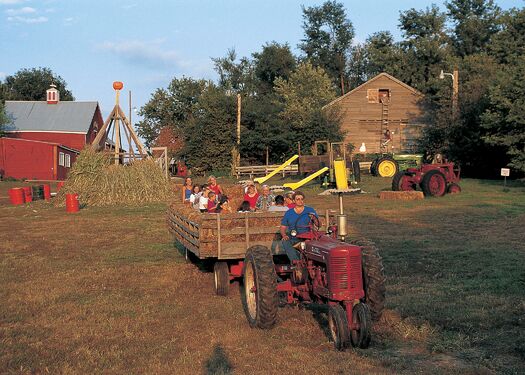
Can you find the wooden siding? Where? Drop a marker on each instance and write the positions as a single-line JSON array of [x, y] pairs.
[[361, 120]]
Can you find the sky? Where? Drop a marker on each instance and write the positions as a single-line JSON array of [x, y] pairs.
[[145, 44]]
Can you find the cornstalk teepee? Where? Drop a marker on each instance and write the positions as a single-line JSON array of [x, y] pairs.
[[116, 117]]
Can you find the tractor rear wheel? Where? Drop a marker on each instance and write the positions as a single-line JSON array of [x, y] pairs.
[[402, 182], [356, 170], [453, 188], [373, 277], [221, 275], [338, 325], [434, 184], [259, 297], [387, 167], [360, 338]]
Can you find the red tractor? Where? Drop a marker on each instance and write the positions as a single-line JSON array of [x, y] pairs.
[[346, 276], [433, 179]]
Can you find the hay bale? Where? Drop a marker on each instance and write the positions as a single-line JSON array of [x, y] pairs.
[[401, 195], [98, 182]]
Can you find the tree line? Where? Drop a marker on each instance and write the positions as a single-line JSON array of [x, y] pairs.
[[283, 94]]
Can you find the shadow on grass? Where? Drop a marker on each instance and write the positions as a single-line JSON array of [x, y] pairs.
[[218, 363], [320, 314], [204, 265]]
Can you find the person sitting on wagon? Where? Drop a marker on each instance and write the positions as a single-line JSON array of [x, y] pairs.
[[279, 205], [186, 190], [297, 219], [212, 202], [288, 200], [251, 196], [265, 200], [203, 201], [223, 205], [195, 196], [214, 186]]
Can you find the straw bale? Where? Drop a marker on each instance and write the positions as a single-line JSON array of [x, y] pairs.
[[401, 195], [100, 183]]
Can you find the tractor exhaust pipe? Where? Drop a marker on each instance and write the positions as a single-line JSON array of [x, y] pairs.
[[341, 220]]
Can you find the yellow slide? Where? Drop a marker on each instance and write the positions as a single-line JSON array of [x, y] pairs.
[[261, 180], [341, 180], [296, 185]]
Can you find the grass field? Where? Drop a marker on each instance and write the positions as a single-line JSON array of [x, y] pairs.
[[105, 291]]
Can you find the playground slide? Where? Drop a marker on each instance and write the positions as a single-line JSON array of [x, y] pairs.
[[261, 180], [341, 179], [296, 185]]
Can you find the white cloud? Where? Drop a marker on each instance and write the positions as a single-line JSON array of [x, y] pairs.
[[69, 21], [151, 53], [24, 10], [129, 6], [27, 19], [2, 75]]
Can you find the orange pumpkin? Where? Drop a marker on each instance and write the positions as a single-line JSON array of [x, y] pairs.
[[117, 85]]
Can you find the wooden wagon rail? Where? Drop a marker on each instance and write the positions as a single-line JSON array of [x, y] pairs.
[[263, 170]]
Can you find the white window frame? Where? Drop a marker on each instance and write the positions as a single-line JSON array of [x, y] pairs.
[[68, 161], [61, 157]]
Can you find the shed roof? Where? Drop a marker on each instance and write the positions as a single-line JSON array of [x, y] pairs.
[[410, 88], [39, 116]]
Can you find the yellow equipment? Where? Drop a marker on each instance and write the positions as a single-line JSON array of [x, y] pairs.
[[341, 179], [296, 185], [261, 180]]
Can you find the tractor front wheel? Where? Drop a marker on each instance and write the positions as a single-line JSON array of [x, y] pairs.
[[434, 184], [259, 297], [338, 325], [221, 275], [453, 188], [387, 167], [360, 337], [402, 182]]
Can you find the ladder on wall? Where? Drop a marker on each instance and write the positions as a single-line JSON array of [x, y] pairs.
[[384, 140]]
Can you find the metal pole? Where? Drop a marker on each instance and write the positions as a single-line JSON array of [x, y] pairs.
[[117, 132], [455, 92]]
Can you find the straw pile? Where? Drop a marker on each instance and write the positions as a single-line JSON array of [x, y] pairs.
[[401, 195], [100, 183]]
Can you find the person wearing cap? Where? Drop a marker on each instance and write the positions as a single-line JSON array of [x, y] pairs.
[[265, 200], [298, 219], [251, 196]]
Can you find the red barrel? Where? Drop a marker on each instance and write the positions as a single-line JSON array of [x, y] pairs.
[[47, 192], [72, 203], [16, 195], [59, 185], [28, 194]]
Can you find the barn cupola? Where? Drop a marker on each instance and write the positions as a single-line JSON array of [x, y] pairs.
[[52, 95]]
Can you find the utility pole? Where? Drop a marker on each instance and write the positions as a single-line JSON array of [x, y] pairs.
[[455, 90]]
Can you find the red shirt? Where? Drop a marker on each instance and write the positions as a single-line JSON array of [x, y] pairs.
[[291, 205], [211, 206], [216, 189], [252, 200]]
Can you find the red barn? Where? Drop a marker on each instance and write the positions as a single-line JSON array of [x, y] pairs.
[[43, 138]]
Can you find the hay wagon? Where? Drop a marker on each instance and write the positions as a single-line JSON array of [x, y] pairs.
[[224, 237]]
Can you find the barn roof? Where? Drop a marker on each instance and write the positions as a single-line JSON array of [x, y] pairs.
[[64, 116], [416, 92]]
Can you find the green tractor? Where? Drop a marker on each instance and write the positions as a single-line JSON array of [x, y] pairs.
[[387, 165]]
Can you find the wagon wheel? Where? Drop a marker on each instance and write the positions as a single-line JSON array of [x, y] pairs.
[[221, 280], [453, 188], [361, 316], [338, 325], [259, 297], [387, 167], [403, 182], [356, 170], [434, 184]]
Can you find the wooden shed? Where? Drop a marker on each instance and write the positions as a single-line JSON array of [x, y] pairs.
[[384, 114]]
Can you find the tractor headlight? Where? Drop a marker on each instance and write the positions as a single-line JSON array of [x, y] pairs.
[[293, 233], [303, 246]]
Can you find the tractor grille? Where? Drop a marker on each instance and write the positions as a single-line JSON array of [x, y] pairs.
[[345, 273]]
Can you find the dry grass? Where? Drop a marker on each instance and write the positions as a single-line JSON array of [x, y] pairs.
[[100, 183], [104, 291]]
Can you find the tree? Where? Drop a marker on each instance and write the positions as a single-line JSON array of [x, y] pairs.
[[508, 45], [3, 119], [31, 84], [234, 77], [328, 39], [383, 55], [275, 60], [504, 119], [303, 97], [173, 107], [475, 22], [425, 47]]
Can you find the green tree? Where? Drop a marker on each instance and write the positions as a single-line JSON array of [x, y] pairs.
[[235, 77], [275, 60], [508, 45], [475, 22], [3, 119], [424, 47], [303, 97], [173, 107], [31, 84], [328, 39], [504, 119], [383, 55]]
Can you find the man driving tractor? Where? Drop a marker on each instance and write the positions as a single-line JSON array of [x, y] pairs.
[[295, 219]]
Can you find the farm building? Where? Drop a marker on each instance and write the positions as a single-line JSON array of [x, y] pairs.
[[44, 137], [384, 113]]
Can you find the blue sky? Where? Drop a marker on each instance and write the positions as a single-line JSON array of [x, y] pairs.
[[146, 43]]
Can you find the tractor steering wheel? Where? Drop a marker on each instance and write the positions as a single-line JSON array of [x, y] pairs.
[[314, 223]]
